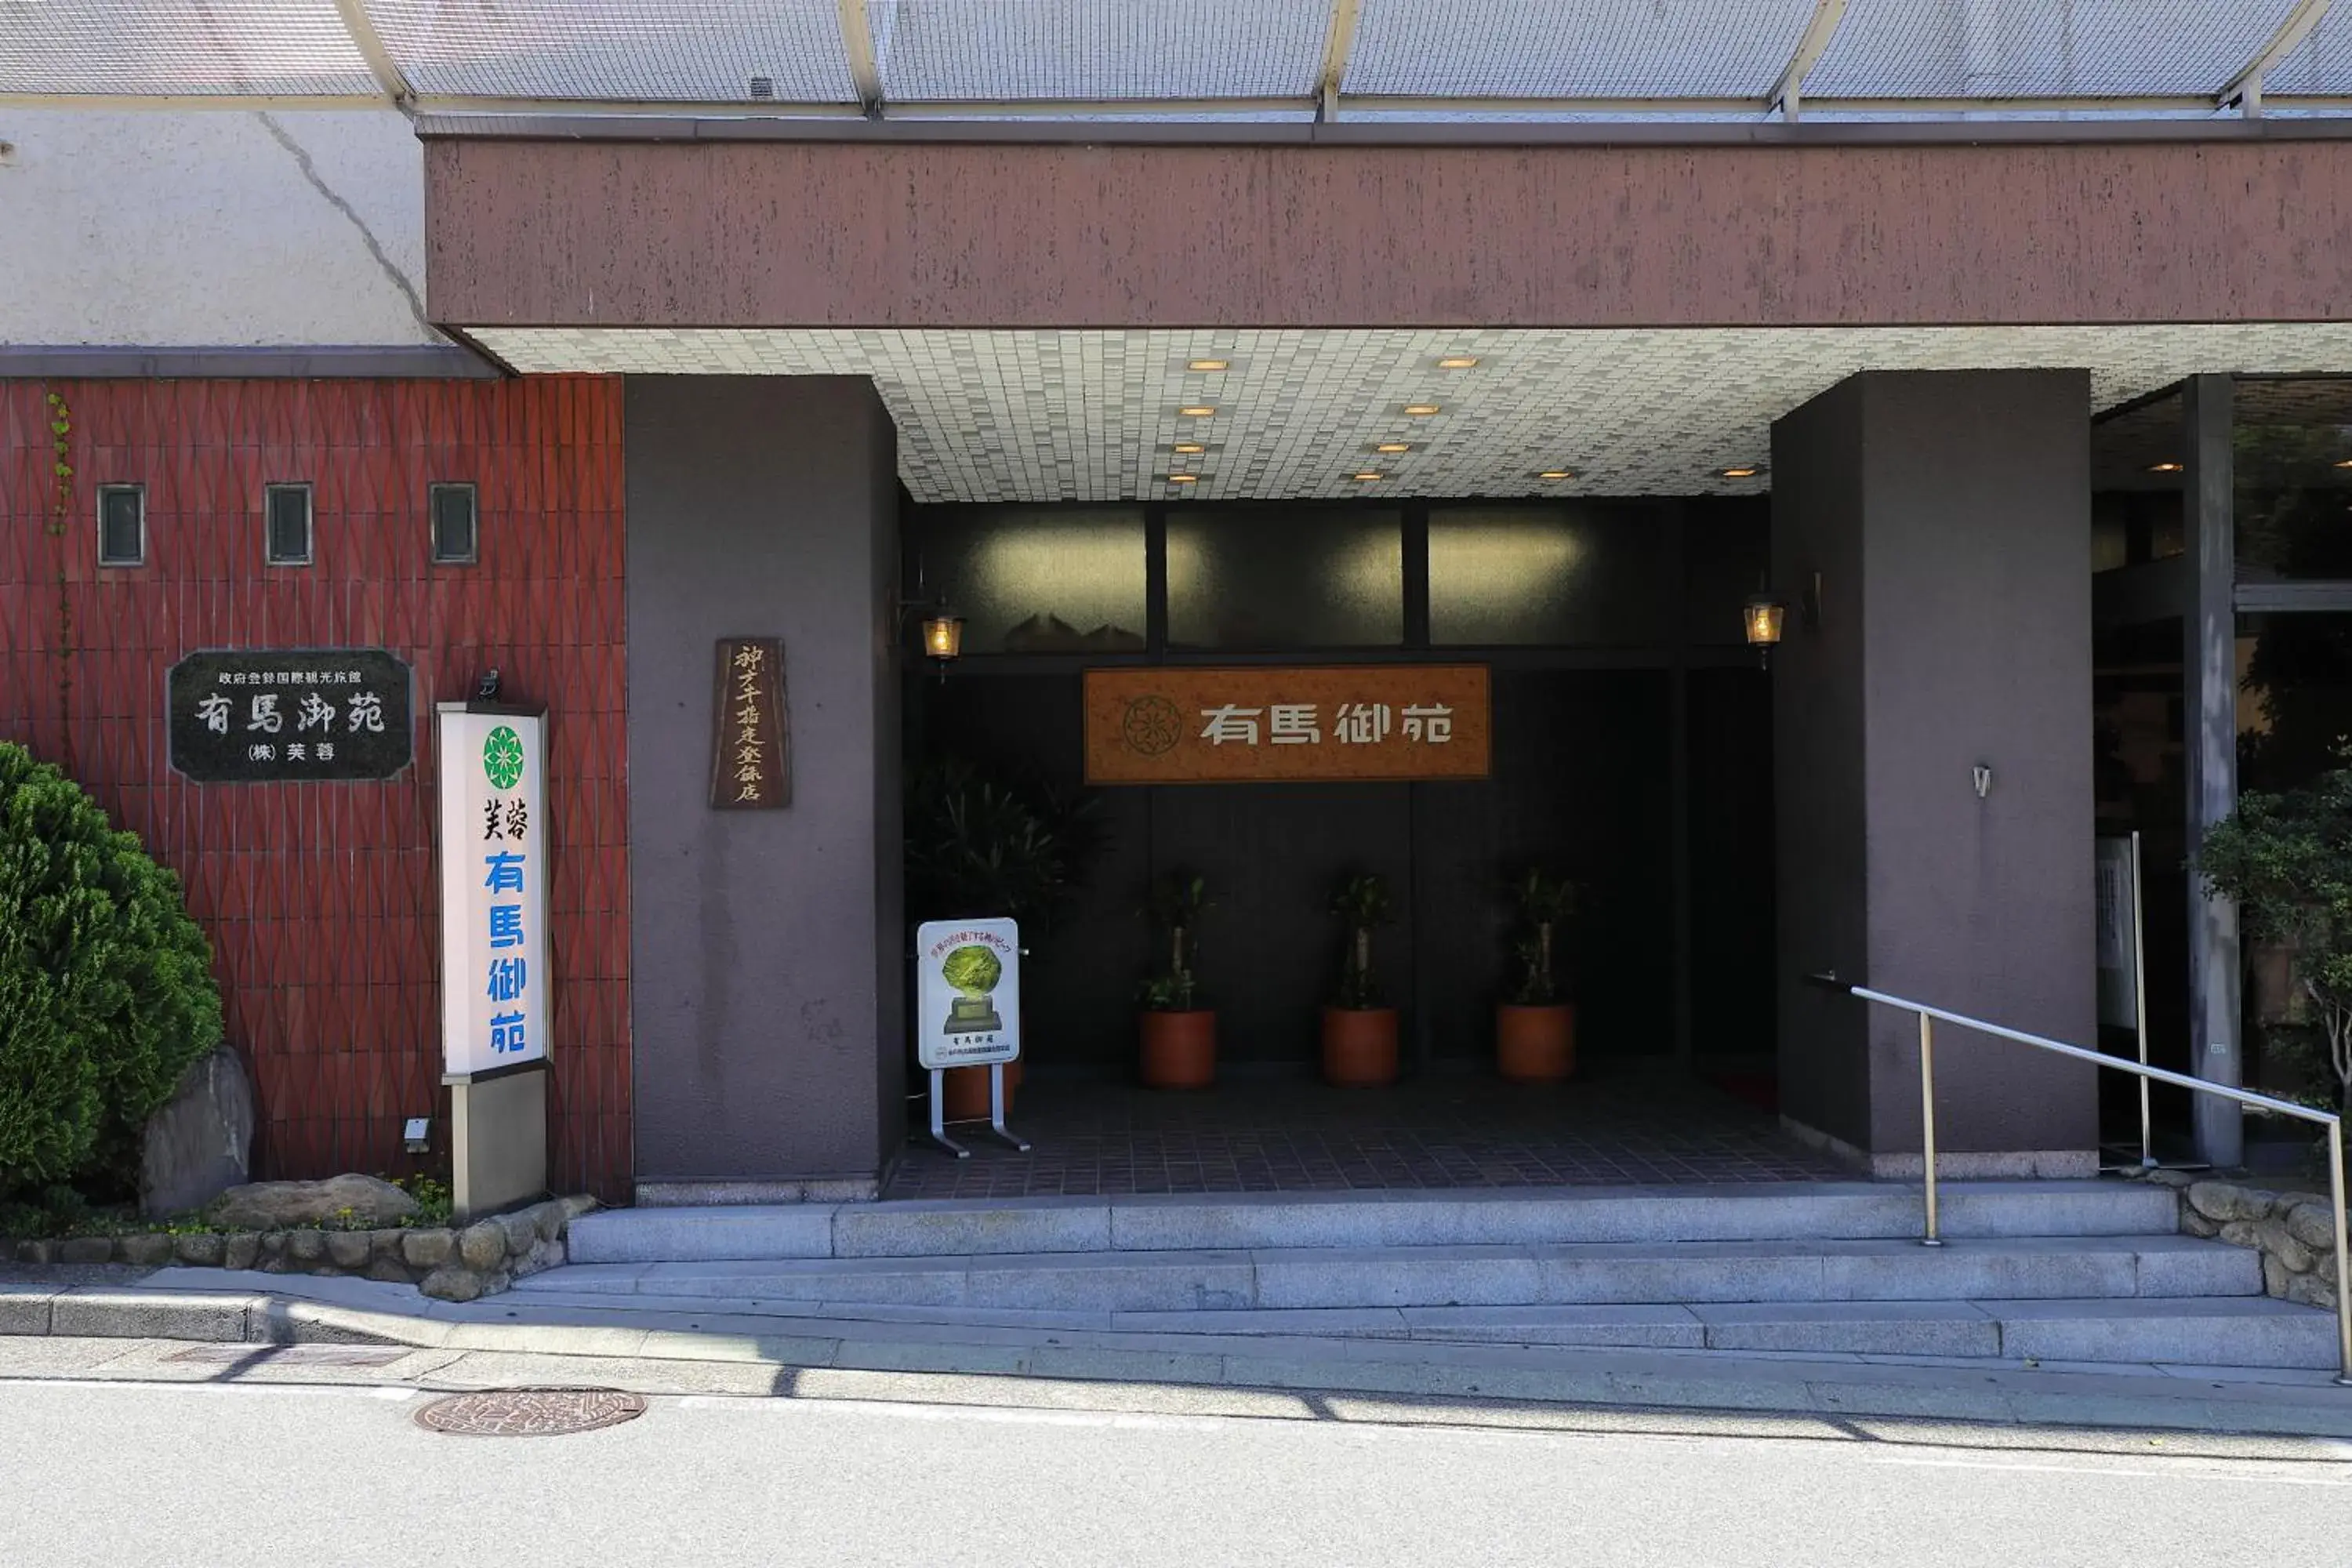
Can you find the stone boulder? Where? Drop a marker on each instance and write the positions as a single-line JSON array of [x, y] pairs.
[[285, 1205], [197, 1145], [2224, 1201]]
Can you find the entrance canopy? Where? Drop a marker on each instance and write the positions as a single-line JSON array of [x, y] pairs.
[[1266, 59]]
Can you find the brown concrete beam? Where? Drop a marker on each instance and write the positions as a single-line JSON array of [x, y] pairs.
[[543, 233]]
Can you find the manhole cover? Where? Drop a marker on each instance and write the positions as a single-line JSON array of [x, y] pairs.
[[529, 1412]]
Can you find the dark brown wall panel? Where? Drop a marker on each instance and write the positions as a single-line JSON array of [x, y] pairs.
[[321, 900], [958, 234]]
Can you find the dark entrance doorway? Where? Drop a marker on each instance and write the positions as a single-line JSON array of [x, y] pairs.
[[1631, 752]]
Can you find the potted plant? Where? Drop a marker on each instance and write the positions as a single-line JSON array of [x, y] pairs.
[[978, 846], [1359, 1033], [1535, 1031], [1179, 1037]]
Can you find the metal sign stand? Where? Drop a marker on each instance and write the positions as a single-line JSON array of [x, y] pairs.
[[996, 1112]]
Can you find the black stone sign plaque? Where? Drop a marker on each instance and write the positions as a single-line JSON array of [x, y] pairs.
[[291, 714]]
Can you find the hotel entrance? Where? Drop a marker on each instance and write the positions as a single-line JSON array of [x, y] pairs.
[[1626, 740]]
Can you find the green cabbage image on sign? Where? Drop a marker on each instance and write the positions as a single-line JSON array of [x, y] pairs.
[[502, 757], [974, 971]]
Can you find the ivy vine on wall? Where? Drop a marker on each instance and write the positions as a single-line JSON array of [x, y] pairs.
[[60, 527]]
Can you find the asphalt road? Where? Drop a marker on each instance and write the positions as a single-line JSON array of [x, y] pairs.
[[128, 1474]]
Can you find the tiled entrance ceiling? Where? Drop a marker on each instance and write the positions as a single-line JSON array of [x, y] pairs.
[[1098, 415]]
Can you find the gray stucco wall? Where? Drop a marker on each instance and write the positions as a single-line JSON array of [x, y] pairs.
[[1958, 504], [212, 228], [766, 945]]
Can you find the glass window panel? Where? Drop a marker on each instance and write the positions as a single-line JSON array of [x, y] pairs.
[[2295, 708], [121, 525], [2136, 471], [2292, 474], [2294, 697], [1033, 580], [288, 541], [455, 537], [1577, 575], [1727, 554], [1261, 578]]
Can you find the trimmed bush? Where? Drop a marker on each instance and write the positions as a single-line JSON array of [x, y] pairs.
[[105, 987]]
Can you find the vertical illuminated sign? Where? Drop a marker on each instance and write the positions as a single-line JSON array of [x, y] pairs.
[[495, 979]]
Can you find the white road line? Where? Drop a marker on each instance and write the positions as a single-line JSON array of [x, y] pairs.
[[2199, 1466], [2203, 1470], [343, 1390]]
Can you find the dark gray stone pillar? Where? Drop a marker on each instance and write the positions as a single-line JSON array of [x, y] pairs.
[[2210, 703], [1948, 514], [766, 969]]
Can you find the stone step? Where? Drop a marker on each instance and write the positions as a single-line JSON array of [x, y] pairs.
[[1522, 1216], [1585, 1273], [2242, 1331]]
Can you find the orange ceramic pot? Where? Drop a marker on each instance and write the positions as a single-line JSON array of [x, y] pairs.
[[1535, 1045], [1180, 1049], [1360, 1047], [963, 1091]]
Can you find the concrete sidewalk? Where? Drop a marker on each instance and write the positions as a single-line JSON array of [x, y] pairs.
[[239, 1308]]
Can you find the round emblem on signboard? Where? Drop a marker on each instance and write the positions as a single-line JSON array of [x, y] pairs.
[[1152, 726], [502, 757]]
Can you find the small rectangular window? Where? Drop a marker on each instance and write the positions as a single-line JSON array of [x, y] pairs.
[[455, 533], [121, 525], [289, 525]]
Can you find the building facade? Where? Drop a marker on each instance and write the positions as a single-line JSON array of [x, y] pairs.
[[1979, 396]]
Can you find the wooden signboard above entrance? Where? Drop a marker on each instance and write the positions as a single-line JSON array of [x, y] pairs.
[[1265, 724]]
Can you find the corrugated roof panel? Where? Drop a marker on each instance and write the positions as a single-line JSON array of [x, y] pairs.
[[2321, 64], [1010, 50], [677, 52], [2042, 48], [1576, 48], [180, 48]]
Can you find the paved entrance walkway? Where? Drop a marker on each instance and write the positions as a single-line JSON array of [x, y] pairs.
[[1614, 1128]]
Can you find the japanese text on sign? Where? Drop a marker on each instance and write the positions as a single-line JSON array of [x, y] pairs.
[[967, 993], [749, 770], [493, 889], [1205, 726], [289, 714]]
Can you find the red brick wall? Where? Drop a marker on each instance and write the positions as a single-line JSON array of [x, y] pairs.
[[320, 899]]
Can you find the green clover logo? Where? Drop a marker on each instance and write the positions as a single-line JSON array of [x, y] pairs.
[[502, 757]]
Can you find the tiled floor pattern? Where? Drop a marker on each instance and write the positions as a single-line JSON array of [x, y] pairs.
[[1104, 1138]]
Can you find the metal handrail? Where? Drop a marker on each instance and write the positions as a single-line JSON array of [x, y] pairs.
[[1928, 1016]]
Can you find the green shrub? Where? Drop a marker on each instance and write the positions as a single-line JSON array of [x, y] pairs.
[[106, 986]]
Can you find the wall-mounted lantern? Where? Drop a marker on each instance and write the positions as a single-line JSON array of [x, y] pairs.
[[943, 627], [944, 634], [1763, 615]]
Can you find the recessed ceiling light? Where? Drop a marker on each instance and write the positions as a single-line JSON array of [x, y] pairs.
[[1189, 449], [1393, 446], [1207, 364], [1557, 474], [1196, 411], [1421, 410], [1741, 471], [2164, 468], [2343, 462], [1369, 475], [1183, 478], [1457, 362]]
